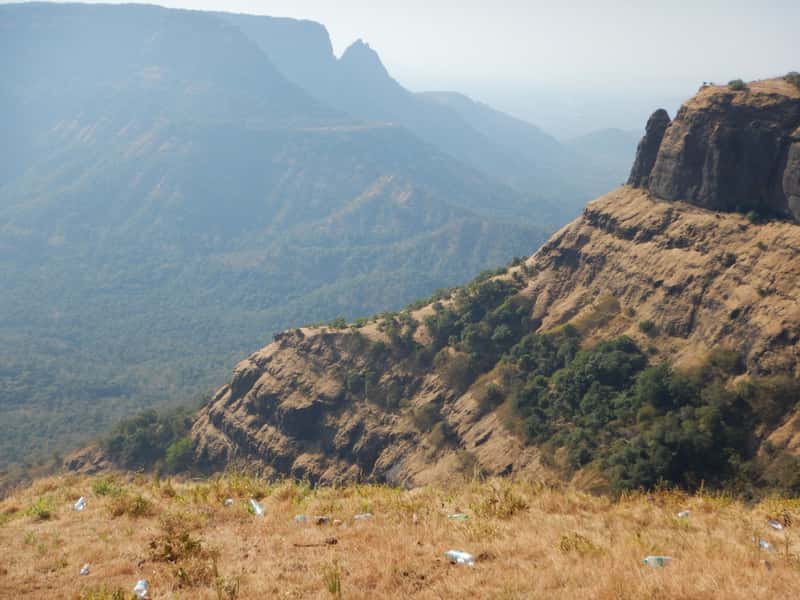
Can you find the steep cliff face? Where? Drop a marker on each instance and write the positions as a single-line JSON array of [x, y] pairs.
[[729, 150], [647, 152]]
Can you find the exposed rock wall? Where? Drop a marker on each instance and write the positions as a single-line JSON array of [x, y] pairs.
[[647, 151], [729, 151]]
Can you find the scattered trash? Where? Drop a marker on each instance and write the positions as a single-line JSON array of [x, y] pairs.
[[256, 508], [331, 541], [656, 561], [228, 502], [142, 588], [363, 517], [80, 504], [85, 570], [337, 522], [767, 565], [322, 520], [458, 516], [765, 545], [684, 514], [775, 524], [458, 557], [414, 519], [300, 519]]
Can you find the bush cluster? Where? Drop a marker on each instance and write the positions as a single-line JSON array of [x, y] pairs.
[[644, 424], [152, 439]]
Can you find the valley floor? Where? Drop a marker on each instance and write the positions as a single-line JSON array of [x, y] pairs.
[[530, 541]]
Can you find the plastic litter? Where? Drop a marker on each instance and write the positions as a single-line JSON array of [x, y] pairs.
[[684, 514], [142, 589], [458, 516], [257, 509], [775, 524], [300, 518], [80, 504], [322, 520], [363, 517], [85, 570], [458, 557], [656, 561], [765, 545], [338, 523], [228, 502]]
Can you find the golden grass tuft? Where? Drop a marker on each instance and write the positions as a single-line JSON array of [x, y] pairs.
[[530, 540]]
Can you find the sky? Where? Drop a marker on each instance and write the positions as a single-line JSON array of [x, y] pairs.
[[525, 55]]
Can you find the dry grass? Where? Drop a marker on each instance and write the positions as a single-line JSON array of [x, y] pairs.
[[530, 541]]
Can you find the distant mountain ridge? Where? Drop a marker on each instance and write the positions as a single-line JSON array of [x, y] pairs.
[[511, 150]]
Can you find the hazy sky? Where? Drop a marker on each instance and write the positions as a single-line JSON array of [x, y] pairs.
[[499, 49]]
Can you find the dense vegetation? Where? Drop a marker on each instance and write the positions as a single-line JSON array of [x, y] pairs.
[[640, 423], [152, 440]]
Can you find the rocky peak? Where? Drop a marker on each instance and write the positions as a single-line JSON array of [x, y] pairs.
[[360, 57], [727, 150], [647, 152]]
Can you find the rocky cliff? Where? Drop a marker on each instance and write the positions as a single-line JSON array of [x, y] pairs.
[[371, 401], [727, 150]]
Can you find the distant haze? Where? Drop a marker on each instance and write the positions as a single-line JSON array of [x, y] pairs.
[[568, 66]]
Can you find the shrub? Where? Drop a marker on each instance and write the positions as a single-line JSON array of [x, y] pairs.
[[105, 486], [457, 371], [425, 416], [179, 455], [332, 576], [648, 328], [103, 592], [441, 435], [490, 397], [793, 77], [737, 85], [500, 501], [195, 565], [730, 362], [338, 323], [41, 509], [133, 506]]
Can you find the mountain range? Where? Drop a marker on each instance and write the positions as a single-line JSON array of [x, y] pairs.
[[175, 186]]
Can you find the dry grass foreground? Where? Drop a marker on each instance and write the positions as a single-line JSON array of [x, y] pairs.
[[531, 541]]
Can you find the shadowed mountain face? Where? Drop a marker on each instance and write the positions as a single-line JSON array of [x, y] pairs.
[[168, 199]]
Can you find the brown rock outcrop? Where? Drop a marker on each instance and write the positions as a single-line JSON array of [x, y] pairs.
[[730, 151], [647, 152]]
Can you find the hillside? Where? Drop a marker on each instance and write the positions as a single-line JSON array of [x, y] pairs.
[[168, 200], [648, 340], [529, 541]]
